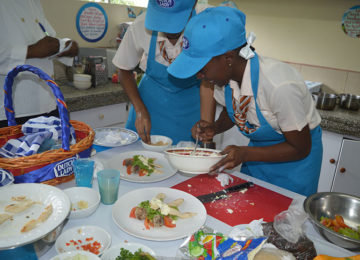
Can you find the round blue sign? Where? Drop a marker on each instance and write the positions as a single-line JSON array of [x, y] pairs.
[[91, 22]]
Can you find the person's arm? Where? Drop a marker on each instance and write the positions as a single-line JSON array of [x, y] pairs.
[[143, 122], [297, 145], [45, 47]]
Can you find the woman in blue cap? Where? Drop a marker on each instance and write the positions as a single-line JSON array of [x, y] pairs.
[[265, 98], [162, 104]]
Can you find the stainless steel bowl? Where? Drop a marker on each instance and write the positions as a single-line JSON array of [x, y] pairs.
[[350, 101], [325, 101], [329, 204]]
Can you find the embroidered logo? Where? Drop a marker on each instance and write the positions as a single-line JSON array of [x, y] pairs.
[[64, 168], [185, 44], [165, 3]]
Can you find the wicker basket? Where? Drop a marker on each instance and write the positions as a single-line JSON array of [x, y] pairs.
[[54, 166]]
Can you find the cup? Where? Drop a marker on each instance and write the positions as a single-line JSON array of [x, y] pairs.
[[108, 180], [83, 170]]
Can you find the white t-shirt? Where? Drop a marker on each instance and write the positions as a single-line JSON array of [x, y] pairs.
[[134, 47], [283, 97], [19, 28]]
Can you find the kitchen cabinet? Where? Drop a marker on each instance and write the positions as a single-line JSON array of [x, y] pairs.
[[340, 164], [106, 116]]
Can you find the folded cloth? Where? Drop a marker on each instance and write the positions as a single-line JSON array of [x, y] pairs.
[[6, 177], [36, 131]]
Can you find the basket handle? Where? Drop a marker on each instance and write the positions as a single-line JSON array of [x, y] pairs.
[[62, 107]]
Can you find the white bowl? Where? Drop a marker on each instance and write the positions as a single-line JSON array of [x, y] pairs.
[[156, 147], [200, 163], [82, 77], [74, 254], [82, 84], [114, 251], [82, 233], [77, 194]]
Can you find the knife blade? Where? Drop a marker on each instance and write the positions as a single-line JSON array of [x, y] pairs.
[[224, 193]]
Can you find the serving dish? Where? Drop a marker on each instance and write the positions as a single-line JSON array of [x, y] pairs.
[[325, 101], [350, 101], [159, 143], [135, 227], [84, 201], [199, 163], [329, 204], [83, 238], [114, 136], [75, 254], [44, 233], [114, 251], [116, 162]]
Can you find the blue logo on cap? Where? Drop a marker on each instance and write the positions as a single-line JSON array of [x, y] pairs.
[[165, 3], [185, 44]]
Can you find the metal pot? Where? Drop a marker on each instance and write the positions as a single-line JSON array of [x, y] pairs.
[[349, 101], [325, 101]]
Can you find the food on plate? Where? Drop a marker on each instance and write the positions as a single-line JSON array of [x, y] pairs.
[[22, 204], [89, 244], [141, 165], [31, 224], [273, 254], [75, 257], [157, 213], [160, 143], [327, 257], [189, 152], [137, 255], [4, 217], [338, 225], [80, 205]]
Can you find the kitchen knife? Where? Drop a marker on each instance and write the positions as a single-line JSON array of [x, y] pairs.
[[224, 193]]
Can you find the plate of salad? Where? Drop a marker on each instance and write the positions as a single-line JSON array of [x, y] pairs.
[[128, 250], [141, 166], [159, 213]]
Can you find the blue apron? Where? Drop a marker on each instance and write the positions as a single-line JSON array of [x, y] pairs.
[[173, 104], [300, 176]]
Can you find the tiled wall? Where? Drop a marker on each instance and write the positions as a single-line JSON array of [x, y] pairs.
[[334, 80]]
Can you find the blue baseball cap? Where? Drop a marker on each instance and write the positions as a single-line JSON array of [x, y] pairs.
[[169, 16], [211, 33]]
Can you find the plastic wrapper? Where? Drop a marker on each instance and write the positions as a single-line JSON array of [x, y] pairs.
[[206, 244], [303, 249]]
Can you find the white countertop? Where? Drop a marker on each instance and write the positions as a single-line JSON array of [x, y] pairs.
[[103, 217]]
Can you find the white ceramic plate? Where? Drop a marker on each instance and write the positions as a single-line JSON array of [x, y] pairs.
[[10, 234], [82, 233], [116, 162], [67, 255], [126, 136], [113, 252], [135, 227]]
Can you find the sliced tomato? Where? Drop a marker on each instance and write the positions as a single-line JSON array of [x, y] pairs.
[[132, 212], [168, 222], [142, 172], [339, 219], [128, 169], [147, 223], [124, 163]]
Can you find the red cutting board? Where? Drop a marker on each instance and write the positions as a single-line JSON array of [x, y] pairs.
[[239, 208]]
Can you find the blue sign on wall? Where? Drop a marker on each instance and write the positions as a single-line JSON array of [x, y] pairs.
[[92, 22]]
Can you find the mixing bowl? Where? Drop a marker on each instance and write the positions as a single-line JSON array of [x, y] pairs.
[[329, 204], [349, 101], [184, 160], [325, 101]]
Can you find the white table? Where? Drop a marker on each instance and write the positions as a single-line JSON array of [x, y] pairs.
[[103, 218]]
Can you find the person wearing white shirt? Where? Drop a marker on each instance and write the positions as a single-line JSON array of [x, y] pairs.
[[267, 100], [161, 104], [28, 38]]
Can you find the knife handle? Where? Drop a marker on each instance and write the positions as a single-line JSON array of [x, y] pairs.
[[239, 187]]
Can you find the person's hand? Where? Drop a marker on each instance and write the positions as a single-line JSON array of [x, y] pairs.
[[72, 52], [143, 126], [235, 156], [204, 129], [45, 47]]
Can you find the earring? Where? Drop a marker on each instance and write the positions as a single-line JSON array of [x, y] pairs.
[[229, 64]]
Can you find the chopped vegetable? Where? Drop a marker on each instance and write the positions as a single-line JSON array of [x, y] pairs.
[[141, 165], [338, 225], [326, 257], [138, 255]]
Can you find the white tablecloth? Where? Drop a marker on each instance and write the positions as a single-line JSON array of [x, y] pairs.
[[103, 218]]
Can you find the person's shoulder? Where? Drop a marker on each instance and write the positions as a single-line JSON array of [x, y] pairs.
[[139, 21], [276, 68]]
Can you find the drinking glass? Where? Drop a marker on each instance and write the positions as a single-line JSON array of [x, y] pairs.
[[108, 180], [83, 170]]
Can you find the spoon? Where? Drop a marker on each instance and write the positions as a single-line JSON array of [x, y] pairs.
[[197, 140]]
